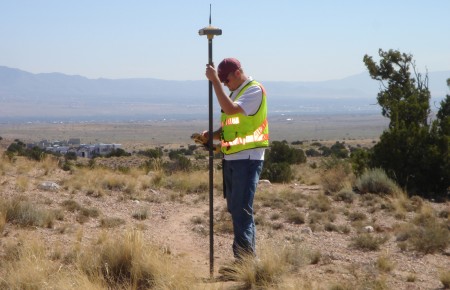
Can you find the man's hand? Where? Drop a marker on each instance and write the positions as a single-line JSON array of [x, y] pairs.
[[200, 138], [211, 73]]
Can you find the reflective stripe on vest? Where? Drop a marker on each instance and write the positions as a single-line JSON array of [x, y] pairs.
[[231, 121], [257, 136]]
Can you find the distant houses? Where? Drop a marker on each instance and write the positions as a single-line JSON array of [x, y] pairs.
[[74, 145]]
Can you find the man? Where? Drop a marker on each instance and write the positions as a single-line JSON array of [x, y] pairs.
[[244, 135]]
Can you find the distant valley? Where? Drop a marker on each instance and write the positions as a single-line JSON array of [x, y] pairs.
[[56, 97]]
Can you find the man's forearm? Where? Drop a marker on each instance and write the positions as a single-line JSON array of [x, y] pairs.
[[226, 104]]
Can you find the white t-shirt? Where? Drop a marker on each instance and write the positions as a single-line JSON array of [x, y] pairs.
[[250, 102]]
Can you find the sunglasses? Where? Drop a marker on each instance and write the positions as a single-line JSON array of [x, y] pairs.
[[227, 80]]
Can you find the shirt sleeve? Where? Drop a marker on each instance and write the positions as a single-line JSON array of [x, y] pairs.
[[251, 100]]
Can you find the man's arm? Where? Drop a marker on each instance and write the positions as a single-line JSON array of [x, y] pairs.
[[216, 134], [227, 105]]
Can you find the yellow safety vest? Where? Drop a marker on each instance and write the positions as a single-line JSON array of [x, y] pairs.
[[241, 132]]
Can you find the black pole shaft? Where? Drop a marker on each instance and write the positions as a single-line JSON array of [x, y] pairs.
[[211, 167]]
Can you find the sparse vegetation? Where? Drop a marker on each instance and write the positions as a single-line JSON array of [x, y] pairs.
[[368, 242], [105, 217]]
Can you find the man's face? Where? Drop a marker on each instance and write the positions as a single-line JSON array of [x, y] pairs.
[[232, 81]]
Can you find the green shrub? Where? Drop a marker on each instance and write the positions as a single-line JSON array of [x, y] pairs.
[[279, 157], [338, 150], [360, 159], [346, 195], [70, 156], [277, 172], [376, 181], [118, 152], [178, 162], [280, 152], [152, 153], [311, 152], [325, 151], [19, 148]]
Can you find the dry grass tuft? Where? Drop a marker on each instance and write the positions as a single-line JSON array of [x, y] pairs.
[[320, 203], [346, 195], [280, 197], [128, 261], [367, 242], [430, 237], [357, 216], [296, 217], [22, 183], [28, 268], [444, 277], [384, 263], [71, 205], [334, 180], [24, 213], [266, 272], [273, 263], [188, 182], [140, 214], [111, 222], [48, 164]]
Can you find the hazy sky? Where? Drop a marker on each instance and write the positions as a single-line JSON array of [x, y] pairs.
[[275, 40]]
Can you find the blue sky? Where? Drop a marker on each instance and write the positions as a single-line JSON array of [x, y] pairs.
[[275, 40]]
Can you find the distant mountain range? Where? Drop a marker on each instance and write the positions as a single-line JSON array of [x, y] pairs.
[[32, 97]]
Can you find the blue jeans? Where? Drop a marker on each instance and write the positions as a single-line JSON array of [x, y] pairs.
[[240, 180]]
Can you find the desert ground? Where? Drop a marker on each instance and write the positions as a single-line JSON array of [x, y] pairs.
[[320, 245]]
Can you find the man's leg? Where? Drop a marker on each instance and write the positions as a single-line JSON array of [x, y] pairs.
[[241, 179]]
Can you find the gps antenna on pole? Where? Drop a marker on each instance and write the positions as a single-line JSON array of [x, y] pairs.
[[210, 32]]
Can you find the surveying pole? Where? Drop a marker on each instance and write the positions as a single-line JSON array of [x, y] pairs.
[[210, 31]]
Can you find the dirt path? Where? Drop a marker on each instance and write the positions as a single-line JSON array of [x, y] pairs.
[[171, 226]]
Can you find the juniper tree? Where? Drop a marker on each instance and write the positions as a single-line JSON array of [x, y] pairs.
[[412, 151]]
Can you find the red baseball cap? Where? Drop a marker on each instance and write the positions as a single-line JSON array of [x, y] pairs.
[[226, 67]]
